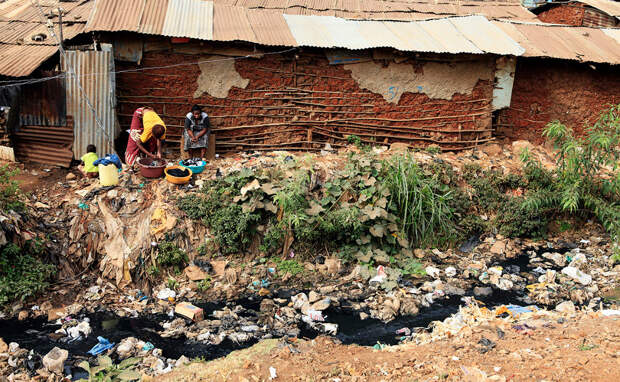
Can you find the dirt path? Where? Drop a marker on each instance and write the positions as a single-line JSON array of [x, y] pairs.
[[586, 348]]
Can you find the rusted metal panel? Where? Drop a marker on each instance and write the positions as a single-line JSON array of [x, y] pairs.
[[116, 15], [128, 49], [391, 10], [22, 60], [565, 42], [270, 28], [153, 17], [612, 8], [231, 24], [43, 103], [49, 145], [189, 18], [100, 90]]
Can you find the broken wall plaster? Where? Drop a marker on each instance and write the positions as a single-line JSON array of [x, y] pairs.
[[218, 77], [436, 80]]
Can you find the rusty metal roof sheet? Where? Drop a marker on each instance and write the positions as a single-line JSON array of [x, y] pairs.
[[153, 17], [21, 20], [612, 8], [17, 32], [391, 9], [570, 43], [469, 34], [189, 18], [116, 16], [22, 60]]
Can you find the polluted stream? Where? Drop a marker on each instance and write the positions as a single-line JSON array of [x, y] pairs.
[[38, 334]]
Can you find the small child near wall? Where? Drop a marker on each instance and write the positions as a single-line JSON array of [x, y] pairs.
[[87, 167]]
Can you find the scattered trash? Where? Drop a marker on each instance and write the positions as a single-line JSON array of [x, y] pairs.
[[190, 311], [166, 294], [101, 347], [272, 373], [610, 312], [487, 345], [148, 346], [515, 310], [380, 277], [577, 275], [379, 346]]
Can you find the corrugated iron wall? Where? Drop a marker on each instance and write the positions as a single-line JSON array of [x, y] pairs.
[[95, 72], [50, 145], [43, 103]]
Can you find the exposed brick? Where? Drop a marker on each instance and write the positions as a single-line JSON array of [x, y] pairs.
[[172, 92], [547, 90]]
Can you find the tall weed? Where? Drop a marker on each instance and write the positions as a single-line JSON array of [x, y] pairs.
[[421, 203]]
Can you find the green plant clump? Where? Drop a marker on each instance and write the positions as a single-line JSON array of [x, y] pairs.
[[586, 181], [107, 371], [422, 203], [9, 190], [288, 266], [170, 255], [22, 274]]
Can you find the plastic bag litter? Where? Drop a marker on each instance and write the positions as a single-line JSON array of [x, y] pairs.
[[610, 312], [515, 310], [272, 373], [102, 346], [166, 294], [380, 277]]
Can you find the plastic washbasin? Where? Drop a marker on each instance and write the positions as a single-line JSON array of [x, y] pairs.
[[148, 171], [195, 169], [176, 179]]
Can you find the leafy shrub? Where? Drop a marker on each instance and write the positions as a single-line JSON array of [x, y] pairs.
[[586, 180], [107, 371], [22, 274], [9, 190], [170, 255], [288, 266]]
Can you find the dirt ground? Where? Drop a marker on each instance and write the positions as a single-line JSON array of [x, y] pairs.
[[585, 348]]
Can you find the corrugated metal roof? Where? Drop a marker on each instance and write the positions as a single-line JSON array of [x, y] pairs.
[[189, 18], [100, 91], [270, 28], [116, 15], [231, 23], [470, 34], [391, 9], [613, 33], [22, 60], [20, 20], [571, 43], [612, 8], [153, 17]]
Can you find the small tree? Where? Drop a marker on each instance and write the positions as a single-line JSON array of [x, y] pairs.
[[586, 179]]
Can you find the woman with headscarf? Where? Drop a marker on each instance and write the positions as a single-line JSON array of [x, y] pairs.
[[196, 132], [145, 135]]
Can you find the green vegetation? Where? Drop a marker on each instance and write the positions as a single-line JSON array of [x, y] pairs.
[[172, 283], [288, 266], [204, 285], [22, 274], [9, 190], [421, 202], [106, 370], [169, 254], [376, 210]]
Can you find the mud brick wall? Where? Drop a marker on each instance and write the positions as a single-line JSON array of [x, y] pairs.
[[547, 90], [297, 101], [568, 14], [577, 14]]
